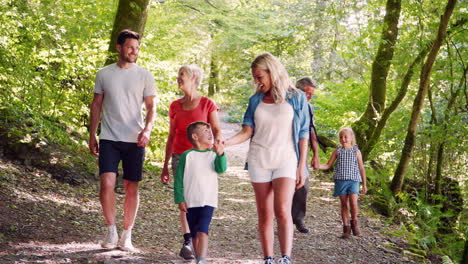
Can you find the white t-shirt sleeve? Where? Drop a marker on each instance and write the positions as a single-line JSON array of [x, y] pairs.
[[150, 87], [98, 84]]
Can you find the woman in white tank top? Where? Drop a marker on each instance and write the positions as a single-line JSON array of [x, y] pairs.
[[278, 113]]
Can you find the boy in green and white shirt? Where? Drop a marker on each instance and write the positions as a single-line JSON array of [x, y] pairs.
[[196, 184]]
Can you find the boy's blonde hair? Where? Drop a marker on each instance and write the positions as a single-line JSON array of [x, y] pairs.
[[280, 81], [193, 70], [350, 132]]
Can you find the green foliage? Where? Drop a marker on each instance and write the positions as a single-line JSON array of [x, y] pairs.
[[51, 50], [420, 217], [46, 142]]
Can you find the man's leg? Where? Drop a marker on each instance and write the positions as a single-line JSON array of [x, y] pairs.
[[107, 196], [299, 207], [107, 199], [133, 157], [131, 203]]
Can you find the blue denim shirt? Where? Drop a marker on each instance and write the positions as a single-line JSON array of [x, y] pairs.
[[301, 120]]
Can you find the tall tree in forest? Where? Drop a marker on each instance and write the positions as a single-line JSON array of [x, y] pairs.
[[365, 126], [454, 93], [131, 14], [425, 77]]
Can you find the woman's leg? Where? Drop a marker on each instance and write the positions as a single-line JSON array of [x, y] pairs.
[[283, 189], [184, 223], [264, 198]]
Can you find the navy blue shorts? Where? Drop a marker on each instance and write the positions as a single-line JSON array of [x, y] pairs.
[[131, 155], [199, 219], [345, 188]]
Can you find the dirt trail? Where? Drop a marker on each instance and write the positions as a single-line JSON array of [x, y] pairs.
[[42, 221]]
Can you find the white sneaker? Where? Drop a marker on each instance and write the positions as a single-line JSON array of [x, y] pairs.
[[125, 242], [110, 241]]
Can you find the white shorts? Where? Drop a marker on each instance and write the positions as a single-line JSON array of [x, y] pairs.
[[259, 175]]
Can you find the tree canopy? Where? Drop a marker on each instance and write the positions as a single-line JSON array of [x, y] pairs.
[[367, 57]]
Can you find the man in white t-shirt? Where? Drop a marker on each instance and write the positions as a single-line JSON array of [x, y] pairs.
[[120, 91]]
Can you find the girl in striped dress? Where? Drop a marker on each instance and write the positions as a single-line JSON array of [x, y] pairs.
[[348, 173]]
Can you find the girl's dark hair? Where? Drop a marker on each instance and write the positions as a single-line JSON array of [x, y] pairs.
[[125, 34]]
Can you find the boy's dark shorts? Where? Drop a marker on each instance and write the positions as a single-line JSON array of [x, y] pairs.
[[131, 155], [199, 219]]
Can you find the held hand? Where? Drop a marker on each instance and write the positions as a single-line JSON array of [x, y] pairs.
[[218, 147], [165, 175], [143, 138], [93, 145], [183, 207], [364, 189], [225, 142], [315, 163], [300, 178]]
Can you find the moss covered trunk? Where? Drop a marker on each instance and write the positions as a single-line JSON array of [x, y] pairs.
[[425, 77], [366, 125]]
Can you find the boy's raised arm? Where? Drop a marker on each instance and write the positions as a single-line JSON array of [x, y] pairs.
[[220, 163]]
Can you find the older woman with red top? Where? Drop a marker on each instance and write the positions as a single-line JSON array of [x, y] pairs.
[[188, 109]]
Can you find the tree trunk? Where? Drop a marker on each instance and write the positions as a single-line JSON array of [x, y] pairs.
[[397, 181], [440, 162], [367, 148], [213, 83], [433, 145], [131, 14], [465, 253], [440, 152], [366, 125]]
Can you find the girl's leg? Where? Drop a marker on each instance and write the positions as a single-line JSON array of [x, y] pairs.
[[354, 206], [344, 209], [345, 216], [353, 198], [264, 199], [283, 189]]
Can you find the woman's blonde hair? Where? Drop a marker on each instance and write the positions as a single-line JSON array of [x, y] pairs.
[[280, 81], [193, 70], [350, 132]]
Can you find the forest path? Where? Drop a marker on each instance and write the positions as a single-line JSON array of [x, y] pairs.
[[43, 221]]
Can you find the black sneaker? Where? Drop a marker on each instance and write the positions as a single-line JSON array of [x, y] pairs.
[[186, 252], [302, 228], [269, 260]]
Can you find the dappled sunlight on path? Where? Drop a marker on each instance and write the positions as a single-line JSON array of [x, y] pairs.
[[43, 221]]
